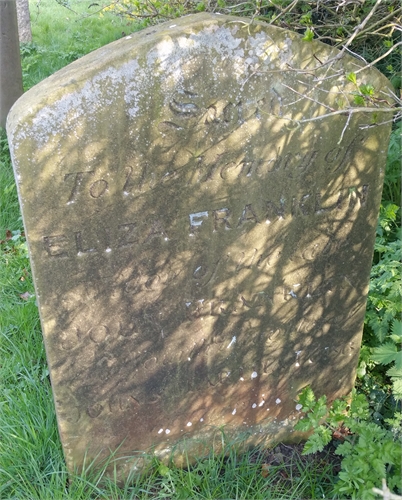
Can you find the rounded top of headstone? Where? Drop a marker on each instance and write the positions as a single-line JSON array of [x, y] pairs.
[[243, 48]]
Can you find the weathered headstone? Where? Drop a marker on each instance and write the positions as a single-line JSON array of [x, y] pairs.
[[200, 239]]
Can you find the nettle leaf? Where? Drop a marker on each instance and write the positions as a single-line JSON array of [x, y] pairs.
[[396, 329], [398, 362], [394, 372], [385, 353], [397, 388]]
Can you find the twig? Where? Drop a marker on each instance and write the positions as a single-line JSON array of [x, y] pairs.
[[386, 492], [284, 11], [344, 128], [357, 30], [392, 120], [101, 9], [379, 58], [344, 112], [304, 96], [392, 14]]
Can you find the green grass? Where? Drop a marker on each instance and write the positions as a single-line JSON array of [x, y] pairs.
[[61, 36], [31, 459]]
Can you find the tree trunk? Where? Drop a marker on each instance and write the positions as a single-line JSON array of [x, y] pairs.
[[24, 21], [10, 61]]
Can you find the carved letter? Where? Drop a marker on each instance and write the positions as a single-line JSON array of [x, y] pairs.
[[221, 217], [54, 245], [196, 220], [275, 211], [247, 215], [79, 245], [78, 178], [98, 188]]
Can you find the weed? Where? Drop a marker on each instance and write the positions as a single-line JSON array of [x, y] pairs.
[[370, 452]]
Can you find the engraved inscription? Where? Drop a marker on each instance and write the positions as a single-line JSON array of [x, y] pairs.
[[98, 188], [79, 183], [197, 219], [183, 104], [77, 180], [55, 245]]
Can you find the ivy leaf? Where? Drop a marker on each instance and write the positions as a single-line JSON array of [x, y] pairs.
[[385, 353]]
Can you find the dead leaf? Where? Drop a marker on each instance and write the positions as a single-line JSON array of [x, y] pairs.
[[341, 433], [9, 235], [265, 470]]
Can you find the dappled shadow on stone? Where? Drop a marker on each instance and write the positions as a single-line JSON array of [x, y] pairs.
[[197, 260]]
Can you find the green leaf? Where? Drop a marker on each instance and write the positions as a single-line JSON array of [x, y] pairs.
[[303, 425], [398, 361], [397, 388], [352, 78], [307, 398], [396, 329], [359, 407], [394, 372], [308, 35], [359, 100], [163, 470], [315, 443], [385, 353], [367, 89]]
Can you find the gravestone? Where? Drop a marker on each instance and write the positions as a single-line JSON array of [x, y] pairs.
[[200, 214]]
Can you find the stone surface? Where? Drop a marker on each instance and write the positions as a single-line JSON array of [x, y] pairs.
[[198, 257], [24, 21], [10, 60]]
